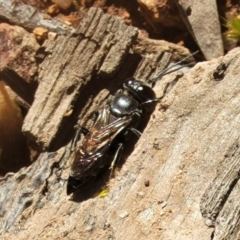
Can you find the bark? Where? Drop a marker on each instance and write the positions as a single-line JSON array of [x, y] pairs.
[[182, 173]]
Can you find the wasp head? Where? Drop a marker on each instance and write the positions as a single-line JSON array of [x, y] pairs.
[[140, 90]]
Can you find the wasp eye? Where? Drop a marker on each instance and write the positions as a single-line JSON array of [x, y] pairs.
[[139, 90]]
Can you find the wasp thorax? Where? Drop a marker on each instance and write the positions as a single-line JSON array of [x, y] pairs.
[[122, 105], [139, 90]]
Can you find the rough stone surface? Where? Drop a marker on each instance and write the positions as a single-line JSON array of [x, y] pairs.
[[161, 13], [17, 51]]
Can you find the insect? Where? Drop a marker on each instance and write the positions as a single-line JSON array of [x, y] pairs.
[[111, 128]]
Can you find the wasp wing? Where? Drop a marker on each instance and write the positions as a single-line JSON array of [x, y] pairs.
[[88, 159]]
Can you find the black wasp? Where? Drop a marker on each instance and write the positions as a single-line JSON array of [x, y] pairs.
[[111, 128]]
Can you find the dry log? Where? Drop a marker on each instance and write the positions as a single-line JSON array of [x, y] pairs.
[[220, 202], [182, 176], [68, 69], [97, 55], [187, 154]]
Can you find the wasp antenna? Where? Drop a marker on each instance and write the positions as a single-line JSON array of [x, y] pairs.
[[175, 69], [166, 70]]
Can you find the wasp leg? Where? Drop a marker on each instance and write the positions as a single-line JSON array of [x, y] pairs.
[[151, 101], [116, 157], [80, 130], [136, 132], [95, 115], [84, 130]]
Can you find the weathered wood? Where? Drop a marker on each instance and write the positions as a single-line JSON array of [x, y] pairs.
[[70, 66], [228, 220], [202, 20], [76, 80], [146, 46], [192, 140], [29, 17], [220, 203], [33, 184], [98, 54]]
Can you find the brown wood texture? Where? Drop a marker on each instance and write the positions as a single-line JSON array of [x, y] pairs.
[[202, 20], [188, 154], [95, 59], [100, 43], [179, 181]]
